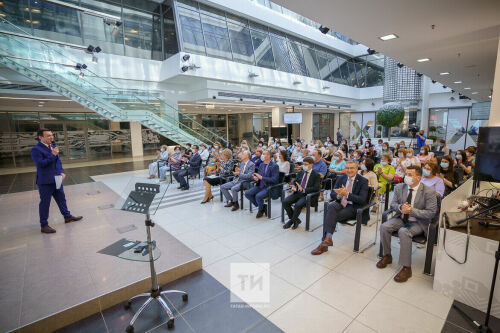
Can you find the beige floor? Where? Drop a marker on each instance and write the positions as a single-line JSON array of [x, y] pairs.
[[43, 274]]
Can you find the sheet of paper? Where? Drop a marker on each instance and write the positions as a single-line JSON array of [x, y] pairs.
[[58, 181]]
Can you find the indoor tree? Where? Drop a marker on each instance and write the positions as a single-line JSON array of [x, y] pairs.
[[390, 115]]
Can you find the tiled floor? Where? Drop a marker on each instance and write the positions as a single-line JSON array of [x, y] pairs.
[[339, 291]]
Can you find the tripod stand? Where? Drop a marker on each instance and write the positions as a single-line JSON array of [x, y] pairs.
[[139, 201]]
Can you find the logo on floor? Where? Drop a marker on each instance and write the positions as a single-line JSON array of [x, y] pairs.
[[250, 284]]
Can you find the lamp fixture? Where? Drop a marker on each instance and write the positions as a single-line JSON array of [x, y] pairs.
[[474, 93], [388, 37], [419, 74], [457, 82], [434, 81], [424, 60], [80, 67], [186, 57], [371, 51], [467, 88], [444, 73]]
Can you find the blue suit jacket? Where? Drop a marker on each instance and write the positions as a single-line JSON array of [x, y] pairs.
[[359, 192], [47, 164]]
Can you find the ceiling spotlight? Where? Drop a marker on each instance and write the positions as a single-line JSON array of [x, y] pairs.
[[467, 88], [388, 37], [97, 49], [81, 75], [373, 104], [434, 81], [186, 57], [474, 93], [444, 73], [419, 74], [489, 96], [184, 68], [400, 65], [371, 51], [457, 82], [94, 59], [80, 66], [424, 60], [324, 30]]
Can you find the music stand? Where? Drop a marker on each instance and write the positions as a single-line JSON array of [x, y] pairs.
[[140, 200]]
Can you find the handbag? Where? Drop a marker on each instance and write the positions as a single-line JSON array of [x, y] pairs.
[[450, 220]]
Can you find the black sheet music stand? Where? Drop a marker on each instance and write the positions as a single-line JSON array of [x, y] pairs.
[[139, 201]]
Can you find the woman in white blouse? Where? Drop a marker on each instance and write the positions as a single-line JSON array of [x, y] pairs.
[[283, 163], [411, 159]]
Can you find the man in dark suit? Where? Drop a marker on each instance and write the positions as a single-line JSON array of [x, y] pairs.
[[48, 168], [267, 176], [349, 193], [308, 181], [193, 166]]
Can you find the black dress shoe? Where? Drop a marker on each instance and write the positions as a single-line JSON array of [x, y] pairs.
[[184, 188], [229, 204], [296, 224], [72, 219], [288, 224], [180, 187], [260, 214], [236, 206]]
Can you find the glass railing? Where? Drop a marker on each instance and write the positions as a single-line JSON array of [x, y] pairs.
[[58, 63]]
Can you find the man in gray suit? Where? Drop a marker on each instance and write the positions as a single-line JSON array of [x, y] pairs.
[[243, 175], [414, 205]]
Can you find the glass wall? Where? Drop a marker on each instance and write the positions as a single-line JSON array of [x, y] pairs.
[[455, 126], [212, 32], [323, 126], [86, 136], [139, 36]]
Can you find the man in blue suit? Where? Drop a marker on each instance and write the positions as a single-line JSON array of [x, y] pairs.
[[350, 192], [48, 166], [267, 176], [194, 164]]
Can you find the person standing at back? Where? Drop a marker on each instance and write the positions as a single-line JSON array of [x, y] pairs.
[[339, 136], [49, 177], [421, 139]]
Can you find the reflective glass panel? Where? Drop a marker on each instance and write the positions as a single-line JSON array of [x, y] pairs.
[[98, 33], [360, 74], [296, 58], [192, 34], [170, 36], [142, 34], [17, 12], [324, 60], [216, 37], [241, 43], [281, 56], [310, 62], [55, 22], [339, 70], [374, 76], [262, 49]]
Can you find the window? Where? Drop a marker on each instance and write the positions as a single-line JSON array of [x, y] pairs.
[[192, 35], [296, 58], [262, 49], [142, 34], [216, 36], [170, 37], [281, 56], [311, 62], [241, 43]]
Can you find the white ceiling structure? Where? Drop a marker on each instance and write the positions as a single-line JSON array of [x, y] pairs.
[[458, 36]]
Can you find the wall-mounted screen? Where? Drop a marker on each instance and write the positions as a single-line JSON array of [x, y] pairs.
[[292, 118]]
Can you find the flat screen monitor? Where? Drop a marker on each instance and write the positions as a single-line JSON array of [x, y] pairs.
[[488, 155], [292, 118]]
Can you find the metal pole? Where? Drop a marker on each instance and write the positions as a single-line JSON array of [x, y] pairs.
[[154, 279]]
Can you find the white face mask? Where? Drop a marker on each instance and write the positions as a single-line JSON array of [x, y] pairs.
[[262, 158], [216, 147], [177, 151], [305, 168], [408, 181], [163, 150]]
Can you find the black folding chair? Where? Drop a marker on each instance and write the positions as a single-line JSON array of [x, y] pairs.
[[431, 239], [277, 188], [309, 198]]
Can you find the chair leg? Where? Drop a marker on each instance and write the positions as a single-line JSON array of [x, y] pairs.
[[269, 202], [308, 214], [357, 234], [242, 199]]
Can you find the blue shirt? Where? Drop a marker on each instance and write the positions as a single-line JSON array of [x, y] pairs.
[[320, 167], [420, 142], [337, 166]]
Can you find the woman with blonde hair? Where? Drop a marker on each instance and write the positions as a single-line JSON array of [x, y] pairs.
[[224, 169], [161, 160]]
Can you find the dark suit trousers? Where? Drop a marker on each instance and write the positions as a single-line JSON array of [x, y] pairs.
[[335, 214], [300, 201], [180, 176], [256, 196], [47, 191]]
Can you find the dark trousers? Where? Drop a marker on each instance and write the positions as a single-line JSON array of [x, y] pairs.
[[335, 214], [47, 191], [300, 201], [256, 196], [180, 176]]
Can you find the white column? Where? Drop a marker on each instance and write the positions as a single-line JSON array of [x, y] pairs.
[[277, 116], [424, 119], [136, 138], [495, 97], [306, 128]]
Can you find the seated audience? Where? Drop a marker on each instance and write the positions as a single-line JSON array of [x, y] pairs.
[[308, 181], [469, 161], [385, 172], [350, 193], [424, 155], [378, 147], [174, 163], [161, 160], [268, 175], [367, 172], [447, 174], [188, 151], [328, 155], [415, 205], [193, 166], [224, 170], [257, 158], [320, 167], [282, 161], [397, 163], [395, 153], [337, 166], [357, 155], [204, 153], [411, 159], [430, 178], [242, 176]]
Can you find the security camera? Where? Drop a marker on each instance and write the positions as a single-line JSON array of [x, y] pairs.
[[186, 57]]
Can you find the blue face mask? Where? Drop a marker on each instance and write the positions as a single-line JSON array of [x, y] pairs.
[[426, 173], [459, 157], [335, 158], [383, 163], [363, 167], [444, 165]]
